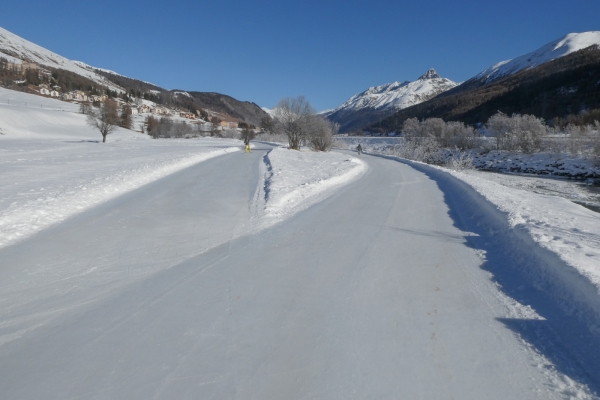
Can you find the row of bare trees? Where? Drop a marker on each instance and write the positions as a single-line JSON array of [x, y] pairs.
[[298, 120], [516, 133]]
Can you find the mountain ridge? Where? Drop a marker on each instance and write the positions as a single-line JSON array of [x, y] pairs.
[[378, 102]]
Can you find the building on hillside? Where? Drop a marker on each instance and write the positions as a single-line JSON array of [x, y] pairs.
[[44, 91], [144, 108], [28, 65], [229, 124], [134, 111], [75, 95], [54, 93], [98, 99]]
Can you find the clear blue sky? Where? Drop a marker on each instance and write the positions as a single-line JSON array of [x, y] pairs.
[[265, 50]]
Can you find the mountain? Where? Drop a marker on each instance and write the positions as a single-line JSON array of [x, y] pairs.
[[77, 75], [557, 48], [379, 102], [18, 48], [565, 85]]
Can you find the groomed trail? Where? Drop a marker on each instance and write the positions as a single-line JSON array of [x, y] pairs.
[[374, 292]]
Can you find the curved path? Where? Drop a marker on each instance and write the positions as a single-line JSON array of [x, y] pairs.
[[371, 293]]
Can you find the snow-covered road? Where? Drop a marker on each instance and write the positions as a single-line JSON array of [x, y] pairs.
[[372, 293]]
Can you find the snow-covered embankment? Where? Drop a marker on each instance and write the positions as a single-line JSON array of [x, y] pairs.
[[548, 243], [292, 181]]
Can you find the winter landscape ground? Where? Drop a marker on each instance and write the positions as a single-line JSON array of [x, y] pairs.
[[185, 268]]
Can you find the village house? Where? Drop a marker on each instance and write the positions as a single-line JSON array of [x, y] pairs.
[[54, 93], [229, 124], [98, 99], [44, 91], [144, 108], [134, 111], [75, 95]]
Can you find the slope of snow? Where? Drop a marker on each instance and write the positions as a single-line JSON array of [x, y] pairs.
[[398, 95], [92, 69], [553, 50], [22, 49]]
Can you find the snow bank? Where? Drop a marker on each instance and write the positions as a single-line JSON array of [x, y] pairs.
[[567, 229], [552, 243], [295, 180]]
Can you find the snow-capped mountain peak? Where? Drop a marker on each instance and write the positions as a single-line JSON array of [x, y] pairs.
[[551, 51], [431, 74], [398, 95]]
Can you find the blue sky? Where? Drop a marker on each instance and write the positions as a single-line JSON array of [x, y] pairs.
[[265, 50]]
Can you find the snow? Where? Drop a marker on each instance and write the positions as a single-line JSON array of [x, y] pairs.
[[180, 93], [293, 181], [398, 95], [278, 273], [270, 111], [567, 229], [551, 51], [552, 221], [10, 58], [53, 166], [556, 165], [26, 50]]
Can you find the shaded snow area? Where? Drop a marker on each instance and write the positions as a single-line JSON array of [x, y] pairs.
[[293, 181], [567, 229]]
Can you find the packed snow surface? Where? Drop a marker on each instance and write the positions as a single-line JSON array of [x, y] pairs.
[[551, 51]]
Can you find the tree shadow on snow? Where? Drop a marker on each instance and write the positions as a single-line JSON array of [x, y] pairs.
[[568, 334]]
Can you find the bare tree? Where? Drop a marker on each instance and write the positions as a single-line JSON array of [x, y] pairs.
[[321, 132], [106, 119], [267, 124], [293, 116]]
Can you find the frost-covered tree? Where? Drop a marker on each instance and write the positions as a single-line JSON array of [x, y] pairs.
[[320, 133], [106, 119], [293, 116], [518, 132]]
